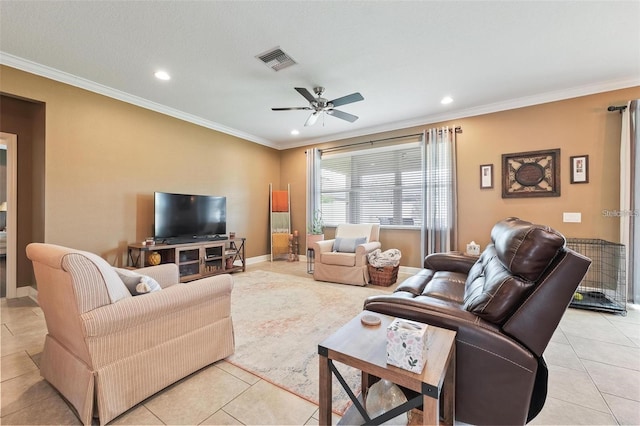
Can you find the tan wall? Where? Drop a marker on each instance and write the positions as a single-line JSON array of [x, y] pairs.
[[105, 158], [579, 126]]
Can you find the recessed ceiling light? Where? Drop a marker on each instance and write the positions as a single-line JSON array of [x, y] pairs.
[[162, 75], [295, 132], [446, 100]]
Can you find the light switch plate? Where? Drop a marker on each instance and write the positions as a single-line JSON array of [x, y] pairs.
[[572, 217]]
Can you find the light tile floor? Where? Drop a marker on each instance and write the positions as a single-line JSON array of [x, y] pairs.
[[593, 358]]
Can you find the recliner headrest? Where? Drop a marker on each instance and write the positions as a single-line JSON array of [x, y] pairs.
[[524, 248]]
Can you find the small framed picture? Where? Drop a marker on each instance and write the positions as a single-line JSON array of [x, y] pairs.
[[486, 176], [580, 169]]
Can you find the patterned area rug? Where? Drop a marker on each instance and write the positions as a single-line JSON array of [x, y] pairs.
[[280, 319]]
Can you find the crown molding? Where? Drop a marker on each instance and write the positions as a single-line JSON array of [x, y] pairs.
[[559, 95], [64, 77]]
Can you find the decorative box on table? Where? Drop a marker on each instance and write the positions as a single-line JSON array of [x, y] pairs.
[[407, 344]]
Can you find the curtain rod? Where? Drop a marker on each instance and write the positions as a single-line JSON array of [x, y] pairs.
[[457, 129], [617, 108]]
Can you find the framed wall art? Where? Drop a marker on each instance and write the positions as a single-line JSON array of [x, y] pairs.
[[579, 169], [486, 176], [531, 174]]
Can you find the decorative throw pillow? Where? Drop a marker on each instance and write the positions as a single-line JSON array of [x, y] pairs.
[[137, 283], [347, 245], [147, 285], [129, 278]]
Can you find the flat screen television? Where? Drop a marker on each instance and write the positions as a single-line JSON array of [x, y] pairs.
[[187, 217]]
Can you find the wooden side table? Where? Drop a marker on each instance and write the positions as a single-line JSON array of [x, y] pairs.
[[365, 348]]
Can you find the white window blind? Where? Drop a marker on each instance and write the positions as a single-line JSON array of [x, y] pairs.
[[375, 185]]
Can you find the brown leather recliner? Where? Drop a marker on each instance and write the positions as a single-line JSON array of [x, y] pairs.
[[505, 306]]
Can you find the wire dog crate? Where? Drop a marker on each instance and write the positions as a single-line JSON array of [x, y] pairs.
[[604, 287]]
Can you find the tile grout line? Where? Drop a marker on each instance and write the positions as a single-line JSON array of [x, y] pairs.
[[595, 385]]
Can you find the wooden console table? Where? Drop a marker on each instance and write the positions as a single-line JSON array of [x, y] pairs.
[[365, 348]]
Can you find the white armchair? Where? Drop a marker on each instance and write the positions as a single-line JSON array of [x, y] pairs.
[[344, 259]]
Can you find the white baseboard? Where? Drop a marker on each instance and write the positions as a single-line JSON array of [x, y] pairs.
[[258, 259], [409, 270], [23, 291], [403, 269], [27, 291], [33, 294]]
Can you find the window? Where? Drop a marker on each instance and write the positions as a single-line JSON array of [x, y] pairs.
[[376, 185]]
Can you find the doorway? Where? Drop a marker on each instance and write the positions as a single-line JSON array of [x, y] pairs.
[[8, 219]]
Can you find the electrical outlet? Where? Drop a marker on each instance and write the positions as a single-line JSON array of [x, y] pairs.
[[572, 217]]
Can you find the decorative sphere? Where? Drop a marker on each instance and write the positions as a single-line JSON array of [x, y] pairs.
[[154, 258], [384, 396]]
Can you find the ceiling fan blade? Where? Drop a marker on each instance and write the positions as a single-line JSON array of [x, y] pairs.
[[343, 115], [354, 97], [312, 119], [291, 109], [307, 95]]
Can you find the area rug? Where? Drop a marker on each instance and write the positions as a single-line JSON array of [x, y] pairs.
[[280, 319]]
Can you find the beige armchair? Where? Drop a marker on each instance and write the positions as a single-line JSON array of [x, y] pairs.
[[344, 259], [105, 350]]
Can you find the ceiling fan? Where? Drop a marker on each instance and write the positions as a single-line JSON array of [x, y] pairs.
[[319, 105]]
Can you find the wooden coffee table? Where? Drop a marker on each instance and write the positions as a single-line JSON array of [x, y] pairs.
[[365, 348]]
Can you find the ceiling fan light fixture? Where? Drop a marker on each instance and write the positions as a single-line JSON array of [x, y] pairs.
[[321, 105], [312, 118]]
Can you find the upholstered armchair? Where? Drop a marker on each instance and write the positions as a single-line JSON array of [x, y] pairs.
[[106, 350], [344, 259], [505, 306]]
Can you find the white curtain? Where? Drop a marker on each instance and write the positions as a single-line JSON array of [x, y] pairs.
[[630, 196], [439, 224], [313, 184]]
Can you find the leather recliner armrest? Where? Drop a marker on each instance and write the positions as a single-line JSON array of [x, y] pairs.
[[454, 261]]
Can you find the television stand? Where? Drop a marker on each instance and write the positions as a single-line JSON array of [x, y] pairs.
[[195, 259]]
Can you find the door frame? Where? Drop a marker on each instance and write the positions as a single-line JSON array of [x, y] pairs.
[[10, 140]]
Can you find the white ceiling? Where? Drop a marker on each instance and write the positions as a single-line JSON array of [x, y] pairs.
[[402, 56]]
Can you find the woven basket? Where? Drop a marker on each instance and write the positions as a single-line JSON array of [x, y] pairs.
[[384, 276]]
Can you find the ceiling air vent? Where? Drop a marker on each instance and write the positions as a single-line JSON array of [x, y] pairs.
[[276, 59]]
